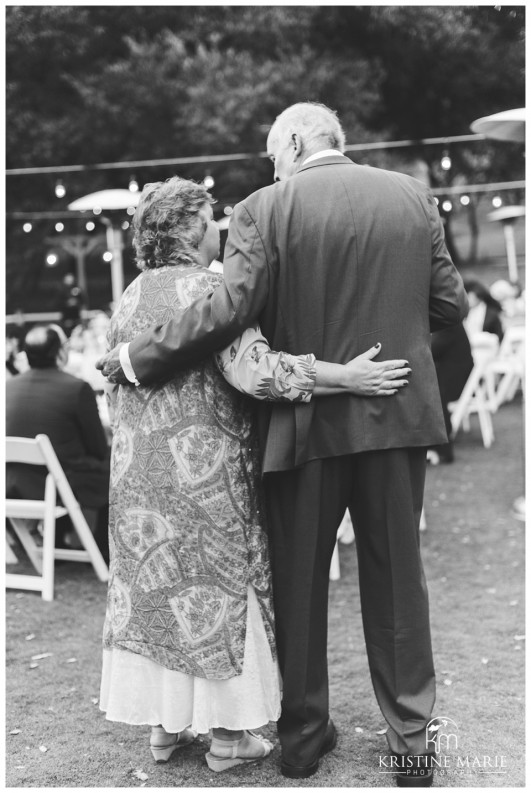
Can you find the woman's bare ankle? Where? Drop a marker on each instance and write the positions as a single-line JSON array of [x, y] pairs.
[[221, 734]]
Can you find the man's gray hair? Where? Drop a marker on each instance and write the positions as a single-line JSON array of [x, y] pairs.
[[314, 122]]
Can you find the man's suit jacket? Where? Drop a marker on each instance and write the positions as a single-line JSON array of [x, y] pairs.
[[63, 407], [453, 359], [330, 261]]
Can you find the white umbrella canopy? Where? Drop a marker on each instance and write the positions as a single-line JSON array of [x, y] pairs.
[[509, 125], [507, 214], [105, 199]]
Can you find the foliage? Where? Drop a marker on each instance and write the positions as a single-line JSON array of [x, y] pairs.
[[91, 84]]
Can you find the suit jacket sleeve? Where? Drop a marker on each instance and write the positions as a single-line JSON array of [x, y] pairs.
[[214, 320], [448, 301]]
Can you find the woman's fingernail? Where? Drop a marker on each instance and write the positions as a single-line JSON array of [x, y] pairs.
[[378, 344]]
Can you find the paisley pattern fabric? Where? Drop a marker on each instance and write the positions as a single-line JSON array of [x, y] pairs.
[[186, 535], [251, 366]]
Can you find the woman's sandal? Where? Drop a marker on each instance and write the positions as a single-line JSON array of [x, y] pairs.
[[163, 744], [250, 748]]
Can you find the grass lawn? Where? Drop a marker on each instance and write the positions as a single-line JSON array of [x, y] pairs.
[[474, 559]]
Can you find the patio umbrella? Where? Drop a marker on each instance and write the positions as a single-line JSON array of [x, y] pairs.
[[508, 125], [106, 200], [108, 204]]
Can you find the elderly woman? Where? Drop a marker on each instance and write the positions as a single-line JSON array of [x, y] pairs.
[[189, 634]]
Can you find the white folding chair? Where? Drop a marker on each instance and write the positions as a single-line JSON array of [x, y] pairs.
[[476, 397], [24, 514], [505, 373]]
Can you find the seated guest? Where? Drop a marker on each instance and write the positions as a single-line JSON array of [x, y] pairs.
[[12, 349], [512, 300], [485, 311], [453, 360], [47, 400]]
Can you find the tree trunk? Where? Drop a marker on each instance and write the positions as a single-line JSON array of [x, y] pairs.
[[474, 231], [450, 244]]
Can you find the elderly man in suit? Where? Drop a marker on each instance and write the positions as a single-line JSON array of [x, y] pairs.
[[330, 259], [47, 400]]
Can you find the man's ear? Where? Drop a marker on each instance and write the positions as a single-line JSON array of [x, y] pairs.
[[62, 357], [296, 142]]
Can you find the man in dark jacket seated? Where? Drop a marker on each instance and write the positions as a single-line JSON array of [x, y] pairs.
[[47, 400]]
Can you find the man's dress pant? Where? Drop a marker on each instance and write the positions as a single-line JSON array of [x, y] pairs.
[[384, 492]]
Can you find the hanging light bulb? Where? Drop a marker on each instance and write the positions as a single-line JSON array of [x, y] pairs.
[[131, 210], [107, 256], [208, 181], [60, 189], [59, 227], [446, 161], [465, 200], [133, 185], [51, 260], [125, 225], [436, 200], [228, 210], [497, 202], [447, 206], [27, 227], [90, 226]]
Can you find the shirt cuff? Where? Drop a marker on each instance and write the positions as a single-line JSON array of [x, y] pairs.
[[126, 365]]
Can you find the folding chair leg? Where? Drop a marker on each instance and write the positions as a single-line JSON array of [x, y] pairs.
[[11, 557], [48, 543], [485, 422], [22, 528], [89, 543], [48, 560], [490, 385], [335, 573]]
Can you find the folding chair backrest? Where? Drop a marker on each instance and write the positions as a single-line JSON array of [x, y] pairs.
[[513, 341], [39, 451], [61, 482], [484, 348], [474, 397], [24, 450]]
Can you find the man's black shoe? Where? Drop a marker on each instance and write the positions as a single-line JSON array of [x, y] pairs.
[[304, 771], [414, 771]]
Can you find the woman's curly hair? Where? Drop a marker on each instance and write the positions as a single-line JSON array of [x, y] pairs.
[[167, 225]]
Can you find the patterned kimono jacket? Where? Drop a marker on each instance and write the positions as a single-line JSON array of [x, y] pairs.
[[186, 534]]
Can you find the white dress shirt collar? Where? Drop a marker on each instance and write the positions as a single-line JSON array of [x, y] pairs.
[[323, 153]]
